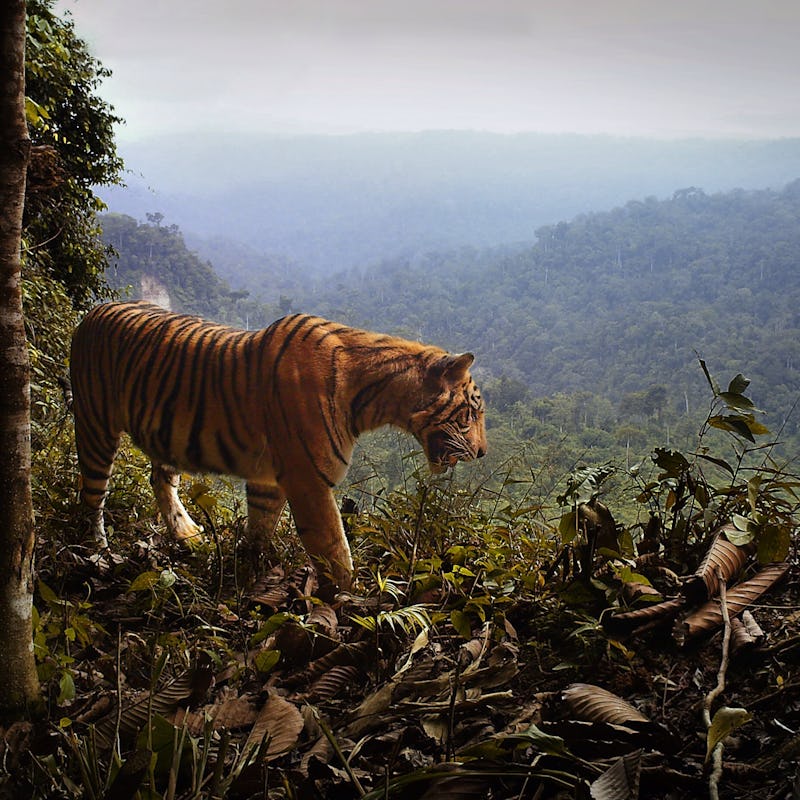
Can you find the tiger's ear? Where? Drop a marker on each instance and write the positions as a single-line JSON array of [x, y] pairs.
[[452, 368]]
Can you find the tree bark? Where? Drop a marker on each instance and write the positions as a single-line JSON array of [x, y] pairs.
[[19, 686]]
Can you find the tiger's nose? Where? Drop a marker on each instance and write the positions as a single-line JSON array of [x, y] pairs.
[[481, 452]]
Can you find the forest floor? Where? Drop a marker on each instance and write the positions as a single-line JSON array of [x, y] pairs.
[[494, 676]]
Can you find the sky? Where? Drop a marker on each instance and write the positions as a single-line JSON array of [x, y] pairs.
[[663, 68]]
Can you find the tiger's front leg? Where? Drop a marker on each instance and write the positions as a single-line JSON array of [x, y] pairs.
[[165, 481], [319, 525]]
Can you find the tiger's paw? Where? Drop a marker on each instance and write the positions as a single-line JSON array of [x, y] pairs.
[[193, 542], [186, 532]]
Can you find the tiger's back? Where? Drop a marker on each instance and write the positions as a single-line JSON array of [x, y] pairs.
[[281, 407]]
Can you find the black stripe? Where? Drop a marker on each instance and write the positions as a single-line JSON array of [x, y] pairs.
[[368, 394], [228, 457], [199, 383], [333, 330], [229, 365], [164, 404], [333, 443], [157, 353], [301, 320], [313, 463], [94, 475]]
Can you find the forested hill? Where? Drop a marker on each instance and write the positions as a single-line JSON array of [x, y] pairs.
[[603, 307], [612, 303]]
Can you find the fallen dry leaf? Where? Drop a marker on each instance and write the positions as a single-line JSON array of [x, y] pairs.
[[745, 632], [723, 557], [279, 723], [621, 780], [594, 704], [232, 713], [709, 616], [647, 616]]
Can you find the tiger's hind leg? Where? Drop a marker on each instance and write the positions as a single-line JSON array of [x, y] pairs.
[[165, 481], [96, 451]]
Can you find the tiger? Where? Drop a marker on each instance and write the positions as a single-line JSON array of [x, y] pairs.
[[280, 407]]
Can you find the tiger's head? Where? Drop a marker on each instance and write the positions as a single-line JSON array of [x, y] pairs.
[[449, 421]]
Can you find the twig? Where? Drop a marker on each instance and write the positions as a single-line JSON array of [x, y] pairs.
[[116, 746], [326, 729], [716, 756], [666, 689], [217, 549], [451, 710], [412, 561]]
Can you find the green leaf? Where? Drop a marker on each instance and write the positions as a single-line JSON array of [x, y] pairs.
[[489, 749], [741, 523], [270, 626], [66, 688], [626, 544], [461, 623], [725, 721], [160, 735], [567, 528], [200, 493], [368, 623], [627, 575], [753, 486], [47, 594], [774, 544], [578, 595], [544, 742], [719, 462], [145, 581], [738, 384], [266, 660], [166, 578], [737, 402], [34, 112], [740, 536], [743, 532], [733, 424], [672, 462], [711, 382], [757, 428]]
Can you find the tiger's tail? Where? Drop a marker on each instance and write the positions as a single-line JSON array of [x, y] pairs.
[[66, 389]]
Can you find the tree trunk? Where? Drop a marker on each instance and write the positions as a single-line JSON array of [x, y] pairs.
[[19, 686]]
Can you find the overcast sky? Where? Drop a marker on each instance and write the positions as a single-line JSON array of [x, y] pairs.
[[632, 67]]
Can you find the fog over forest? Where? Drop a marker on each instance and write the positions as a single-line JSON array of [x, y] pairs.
[[328, 203]]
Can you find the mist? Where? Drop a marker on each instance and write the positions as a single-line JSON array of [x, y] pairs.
[[329, 203]]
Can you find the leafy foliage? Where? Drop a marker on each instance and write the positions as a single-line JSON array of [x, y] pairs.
[[74, 151], [72, 130]]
